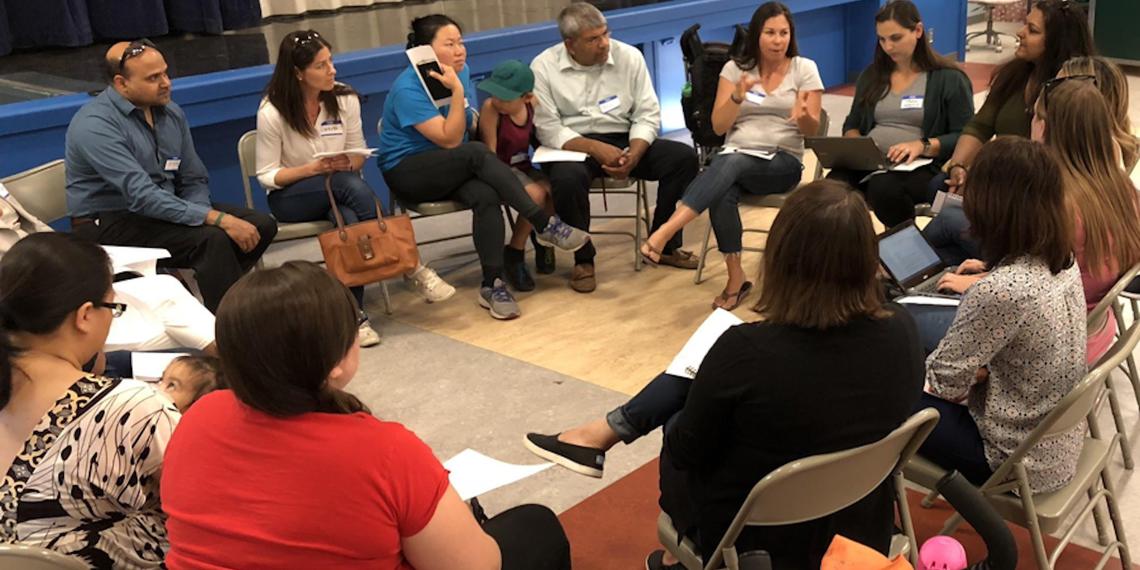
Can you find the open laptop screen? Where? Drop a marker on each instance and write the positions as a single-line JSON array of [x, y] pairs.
[[907, 255]]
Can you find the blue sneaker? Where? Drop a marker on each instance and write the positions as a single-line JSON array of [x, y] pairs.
[[561, 235], [499, 301]]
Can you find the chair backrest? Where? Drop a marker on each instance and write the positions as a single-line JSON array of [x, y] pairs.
[[24, 557], [247, 159], [42, 190], [824, 126], [1099, 314], [817, 486]]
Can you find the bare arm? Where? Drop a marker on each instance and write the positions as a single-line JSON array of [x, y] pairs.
[[725, 108], [452, 539], [489, 126]]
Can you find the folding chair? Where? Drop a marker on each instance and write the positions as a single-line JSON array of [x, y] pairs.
[[640, 216], [24, 557], [42, 190], [814, 487], [1097, 319]]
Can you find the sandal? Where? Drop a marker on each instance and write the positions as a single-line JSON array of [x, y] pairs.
[[721, 301], [648, 255]]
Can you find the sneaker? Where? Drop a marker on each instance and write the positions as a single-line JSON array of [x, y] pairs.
[[499, 301], [655, 561], [517, 274], [561, 235], [367, 336], [429, 284], [584, 460]]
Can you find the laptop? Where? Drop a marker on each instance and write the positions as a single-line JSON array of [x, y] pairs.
[[911, 261], [855, 153]]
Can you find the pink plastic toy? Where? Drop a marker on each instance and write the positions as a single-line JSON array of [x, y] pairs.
[[942, 553]]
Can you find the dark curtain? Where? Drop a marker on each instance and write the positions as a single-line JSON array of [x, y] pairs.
[[5, 35], [127, 19], [212, 16], [40, 23]]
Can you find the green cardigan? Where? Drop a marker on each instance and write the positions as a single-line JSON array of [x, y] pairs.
[[954, 95]]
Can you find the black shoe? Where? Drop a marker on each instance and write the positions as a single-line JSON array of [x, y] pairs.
[[585, 460], [514, 269], [654, 562], [543, 257]]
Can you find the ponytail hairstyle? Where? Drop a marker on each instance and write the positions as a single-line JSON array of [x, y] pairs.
[[297, 52], [281, 331], [905, 14], [425, 27], [44, 278]]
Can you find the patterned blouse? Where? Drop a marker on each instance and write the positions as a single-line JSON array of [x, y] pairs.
[[86, 483], [1028, 327]]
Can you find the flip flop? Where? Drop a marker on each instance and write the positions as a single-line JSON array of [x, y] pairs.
[[739, 296], [648, 257]]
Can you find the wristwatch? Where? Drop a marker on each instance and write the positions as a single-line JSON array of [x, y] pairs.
[[925, 146]]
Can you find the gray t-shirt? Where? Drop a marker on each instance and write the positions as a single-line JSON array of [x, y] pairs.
[[763, 120], [898, 117]]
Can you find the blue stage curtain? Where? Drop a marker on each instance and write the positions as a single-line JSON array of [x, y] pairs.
[[5, 35], [127, 19], [38, 23]]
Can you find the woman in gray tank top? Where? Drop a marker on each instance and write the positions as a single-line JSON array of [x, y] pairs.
[[914, 104]]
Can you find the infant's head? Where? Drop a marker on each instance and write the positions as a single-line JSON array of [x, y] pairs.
[[188, 378]]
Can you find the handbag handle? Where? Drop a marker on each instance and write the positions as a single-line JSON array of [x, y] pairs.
[[340, 219]]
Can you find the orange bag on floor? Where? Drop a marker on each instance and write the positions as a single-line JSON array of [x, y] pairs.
[[846, 554]]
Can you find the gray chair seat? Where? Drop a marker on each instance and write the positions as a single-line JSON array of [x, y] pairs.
[[434, 208], [300, 230]]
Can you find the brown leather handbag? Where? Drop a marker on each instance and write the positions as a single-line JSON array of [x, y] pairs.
[[369, 251]]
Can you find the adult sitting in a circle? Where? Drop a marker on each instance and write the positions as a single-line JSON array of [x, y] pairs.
[[425, 155]]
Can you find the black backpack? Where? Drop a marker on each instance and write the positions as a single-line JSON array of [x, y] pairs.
[[703, 63]]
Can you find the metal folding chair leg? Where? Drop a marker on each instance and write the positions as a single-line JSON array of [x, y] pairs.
[[1118, 420], [703, 257]]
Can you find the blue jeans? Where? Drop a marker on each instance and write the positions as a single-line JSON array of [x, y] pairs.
[[305, 201], [949, 234], [651, 408], [717, 189]]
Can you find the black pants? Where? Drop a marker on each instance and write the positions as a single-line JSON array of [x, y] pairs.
[[892, 195], [470, 174], [530, 538], [217, 261], [672, 164]]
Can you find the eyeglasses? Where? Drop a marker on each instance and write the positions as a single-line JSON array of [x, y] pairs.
[[134, 50], [117, 309]]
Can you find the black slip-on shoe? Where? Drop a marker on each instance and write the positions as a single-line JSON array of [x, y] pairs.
[[584, 460], [655, 562]]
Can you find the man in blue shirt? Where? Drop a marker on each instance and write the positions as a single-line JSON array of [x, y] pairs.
[[134, 178]]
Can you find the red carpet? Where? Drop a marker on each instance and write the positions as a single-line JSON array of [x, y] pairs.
[[979, 74], [616, 528]]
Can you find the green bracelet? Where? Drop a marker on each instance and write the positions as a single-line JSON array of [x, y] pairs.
[[218, 220]]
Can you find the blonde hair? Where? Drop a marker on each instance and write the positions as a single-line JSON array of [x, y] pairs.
[[1114, 87], [1078, 130]]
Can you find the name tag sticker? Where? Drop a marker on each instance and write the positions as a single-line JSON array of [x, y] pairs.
[[520, 157], [3, 191], [609, 103], [754, 97], [332, 128], [911, 102], [172, 164]]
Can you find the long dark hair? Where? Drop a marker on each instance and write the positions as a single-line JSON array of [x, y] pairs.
[[821, 260], [1015, 202], [750, 55], [281, 331], [905, 14], [44, 278], [425, 27], [1067, 35], [297, 52]]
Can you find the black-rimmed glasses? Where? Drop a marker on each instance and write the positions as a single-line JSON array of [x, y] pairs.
[[136, 48], [117, 309]]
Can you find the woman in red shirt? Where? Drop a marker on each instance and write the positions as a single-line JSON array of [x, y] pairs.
[[287, 470]]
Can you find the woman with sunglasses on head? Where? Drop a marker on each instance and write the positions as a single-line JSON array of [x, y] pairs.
[[1054, 31], [80, 454], [306, 112], [1113, 86], [913, 103], [425, 155]]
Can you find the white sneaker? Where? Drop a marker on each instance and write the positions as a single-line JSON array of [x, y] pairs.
[[429, 284], [367, 336]]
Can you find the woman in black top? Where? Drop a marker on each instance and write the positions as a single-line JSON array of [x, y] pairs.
[[830, 367]]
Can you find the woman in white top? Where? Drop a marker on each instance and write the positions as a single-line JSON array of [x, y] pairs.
[[306, 112], [767, 100]]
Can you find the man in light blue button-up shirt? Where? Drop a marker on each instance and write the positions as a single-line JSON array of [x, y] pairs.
[[134, 178]]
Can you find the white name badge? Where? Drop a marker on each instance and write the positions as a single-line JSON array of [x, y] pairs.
[[911, 102], [3, 191], [332, 128], [609, 103], [172, 164], [520, 157], [754, 97]]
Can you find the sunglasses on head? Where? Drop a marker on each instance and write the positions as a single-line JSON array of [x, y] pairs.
[[1050, 84], [136, 48], [306, 39]]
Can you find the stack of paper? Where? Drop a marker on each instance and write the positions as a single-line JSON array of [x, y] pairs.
[[473, 474], [141, 260], [688, 361], [546, 154], [365, 152]]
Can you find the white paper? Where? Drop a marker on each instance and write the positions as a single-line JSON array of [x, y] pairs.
[[766, 155], [150, 365], [473, 474], [546, 154], [944, 200], [686, 363], [929, 300], [142, 260], [365, 152], [912, 165]]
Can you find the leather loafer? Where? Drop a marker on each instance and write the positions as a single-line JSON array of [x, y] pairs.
[[679, 258], [582, 278]]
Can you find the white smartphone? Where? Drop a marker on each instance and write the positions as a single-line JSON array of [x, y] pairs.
[[424, 61]]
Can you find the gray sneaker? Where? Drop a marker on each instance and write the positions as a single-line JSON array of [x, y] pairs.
[[561, 235], [499, 301]]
